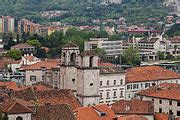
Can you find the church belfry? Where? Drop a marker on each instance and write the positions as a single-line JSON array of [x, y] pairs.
[[88, 78], [69, 54], [69, 59]]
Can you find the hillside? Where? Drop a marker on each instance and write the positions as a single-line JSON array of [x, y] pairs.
[[82, 12]]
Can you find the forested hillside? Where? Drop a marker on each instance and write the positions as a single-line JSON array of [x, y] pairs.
[[82, 12]]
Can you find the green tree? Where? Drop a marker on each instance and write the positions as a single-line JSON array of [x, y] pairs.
[[131, 56], [34, 43], [15, 54], [160, 55], [101, 52]]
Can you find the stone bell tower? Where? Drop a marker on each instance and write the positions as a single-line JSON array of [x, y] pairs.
[[69, 59], [88, 78]]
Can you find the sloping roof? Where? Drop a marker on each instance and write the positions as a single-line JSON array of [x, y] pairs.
[[126, 107], [91, 113], [71, 44], [161, 116], [111, 70], [52, 112], [10, 85], [47, 64], [55, 97], [103, 64], [21, 45], [149, 73], [164, 91], [14, 107], [88, 53], [132, 117], [37, 87]]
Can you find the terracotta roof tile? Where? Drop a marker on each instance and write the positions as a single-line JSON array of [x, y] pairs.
[[37, 87], [161, 117], [48, 64], [164, 91], [9, 85], [88, 53], [20, 46], [102, 64], [55, 97], [133, 107], [14, 107], [92, 113], [149, 73], [52, 112], [132, 117]]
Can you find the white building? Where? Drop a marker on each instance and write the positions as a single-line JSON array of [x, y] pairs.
[[82, 74], [166, 98], [141, 78], [112, 48], [112, 84]]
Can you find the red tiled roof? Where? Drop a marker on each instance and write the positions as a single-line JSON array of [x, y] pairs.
[[132, 117], [91, 113], [164, 91], [55, 97], [30, 57], [161, 117], [149, 73], [88, 53], [48, 64], [38, 87], [9, 85], [14, 107], [20, 46], [133, 107], [52, 112], [16, 62], [102, 64]]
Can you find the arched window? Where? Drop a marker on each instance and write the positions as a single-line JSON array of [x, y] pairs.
[[19, 118], [73, 59]]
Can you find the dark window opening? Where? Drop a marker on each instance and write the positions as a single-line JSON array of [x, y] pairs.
[[160, 110], [91, 84], [90, 61]]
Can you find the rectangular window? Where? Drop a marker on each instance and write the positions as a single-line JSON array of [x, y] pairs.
[[160, 110], [128, 87], [178, 113], [178, 103], [32, 78], [160, 101], [147, 85], [170, 102], [100, 83], [43, 78]]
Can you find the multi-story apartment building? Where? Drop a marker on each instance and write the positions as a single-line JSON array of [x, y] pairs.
[[148, 47], [112, 84], [166, 98], [141, 78], [112, 48], [26, 26], [173, 46], [6, 24]]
